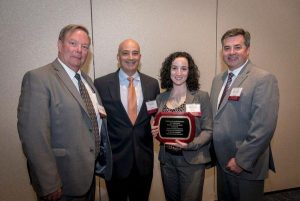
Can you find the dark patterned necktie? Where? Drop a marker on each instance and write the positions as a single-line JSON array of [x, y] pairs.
[[90, 108], [229, 80]]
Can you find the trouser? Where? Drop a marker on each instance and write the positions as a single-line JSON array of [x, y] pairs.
[[181, 180], [89, 196], [135, 187], [233, 188]]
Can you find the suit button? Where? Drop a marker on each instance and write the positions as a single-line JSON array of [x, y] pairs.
[[91, 130], [91, 150]]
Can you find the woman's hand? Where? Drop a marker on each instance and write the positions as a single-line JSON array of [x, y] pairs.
[[178, 143], [154, 129]]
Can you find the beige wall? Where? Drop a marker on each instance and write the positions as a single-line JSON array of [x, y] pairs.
[[28, 36]]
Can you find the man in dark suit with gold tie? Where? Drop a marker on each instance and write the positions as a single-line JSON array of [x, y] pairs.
[[124, 94]]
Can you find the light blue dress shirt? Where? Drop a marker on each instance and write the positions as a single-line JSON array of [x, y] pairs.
[[124, 82]]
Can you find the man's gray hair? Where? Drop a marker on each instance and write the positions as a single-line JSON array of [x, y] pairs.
[[236, 32]]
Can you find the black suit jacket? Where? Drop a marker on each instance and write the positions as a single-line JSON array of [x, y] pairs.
[[131, 144]]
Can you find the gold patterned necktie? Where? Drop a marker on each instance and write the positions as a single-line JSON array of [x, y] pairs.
[[91, 111], [132, 102], [229, 80]]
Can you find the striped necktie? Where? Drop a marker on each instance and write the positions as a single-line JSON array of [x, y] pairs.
[[91, 111], [229, 80]]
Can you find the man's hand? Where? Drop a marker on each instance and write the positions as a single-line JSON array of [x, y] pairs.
[[233, 166]]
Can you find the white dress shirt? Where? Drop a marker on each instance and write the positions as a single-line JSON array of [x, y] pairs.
[[235, 74], [91, 92]]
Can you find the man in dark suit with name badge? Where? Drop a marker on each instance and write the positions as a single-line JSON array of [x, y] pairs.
[[245, 101], [62, 133], [124, 94]]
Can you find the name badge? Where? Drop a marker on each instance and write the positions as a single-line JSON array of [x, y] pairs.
[[194, 109], [235, 94], [101, 111], [151, 107]]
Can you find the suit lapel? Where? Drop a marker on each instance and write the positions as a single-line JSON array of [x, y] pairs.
[[188, 100], [242, 75], [189, 97], [145, 92], [144, 87], [85, 76], [91, 84], [218, 87], [147, 95], [62, 74], [114, 91], [237, 83], [164, 99], [114, 87]]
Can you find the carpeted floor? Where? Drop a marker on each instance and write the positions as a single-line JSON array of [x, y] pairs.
[[285, 195]]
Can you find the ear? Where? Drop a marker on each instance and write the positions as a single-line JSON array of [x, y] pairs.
[[118, 59], [59, 45], [248, 50]]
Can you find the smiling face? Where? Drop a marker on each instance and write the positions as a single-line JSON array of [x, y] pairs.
[[179, 71], [73, 49], [129, 56], [235, 53]]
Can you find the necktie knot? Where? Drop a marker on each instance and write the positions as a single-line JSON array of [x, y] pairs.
[[130, 79], [230, 76], [77, 76]]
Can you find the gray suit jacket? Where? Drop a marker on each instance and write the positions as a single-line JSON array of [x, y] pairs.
[[197, 151], [56, 133], [244, 128]]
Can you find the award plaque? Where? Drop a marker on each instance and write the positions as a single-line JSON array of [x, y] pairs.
[[175, 126]]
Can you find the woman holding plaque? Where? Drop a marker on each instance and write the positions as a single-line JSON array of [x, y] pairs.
[[183, 162]]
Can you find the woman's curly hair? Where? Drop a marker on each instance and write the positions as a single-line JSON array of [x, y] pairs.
[[192, 81]]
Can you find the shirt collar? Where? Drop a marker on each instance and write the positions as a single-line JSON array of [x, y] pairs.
[[238, 70], [69, 71], [123, 76]]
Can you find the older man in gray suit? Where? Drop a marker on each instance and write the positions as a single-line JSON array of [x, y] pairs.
[[245, 101], [60, 124]]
